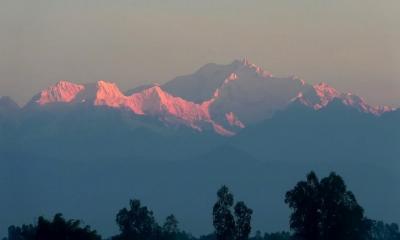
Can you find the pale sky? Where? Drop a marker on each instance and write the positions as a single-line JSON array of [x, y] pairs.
[[353, 45]]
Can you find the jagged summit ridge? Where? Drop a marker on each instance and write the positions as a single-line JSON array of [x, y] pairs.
[[322, 94], [152, 101], [225, 98]]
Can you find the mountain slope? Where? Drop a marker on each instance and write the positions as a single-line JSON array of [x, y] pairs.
[[8, 105], [335, 133], [201, 85], [242, 93]]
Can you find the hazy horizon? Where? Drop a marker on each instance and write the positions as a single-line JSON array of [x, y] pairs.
[[353, 46]]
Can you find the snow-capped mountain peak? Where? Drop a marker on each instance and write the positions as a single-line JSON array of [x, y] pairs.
[[321, 94], [325, 94], [326, 91], [108, 94], [246, 65], [63, 91]]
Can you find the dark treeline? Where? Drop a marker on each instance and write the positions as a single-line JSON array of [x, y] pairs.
[[321, 210]]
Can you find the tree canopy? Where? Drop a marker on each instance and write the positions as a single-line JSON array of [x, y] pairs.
[[325, 210], [227, 225], [57, 228]]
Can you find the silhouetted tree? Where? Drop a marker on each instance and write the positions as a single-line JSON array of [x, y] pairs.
[[223, 220], [277, 236], [171, 225], [243, 221], [171, 231], [258, 235], [210, 236], [341, 215], [382, 231], [58, 228], [304, 200], [227, 226], [21, 233], [170, 228], [325, 210], [137, 223]]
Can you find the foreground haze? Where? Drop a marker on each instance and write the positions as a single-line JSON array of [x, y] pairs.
[[84, 149]]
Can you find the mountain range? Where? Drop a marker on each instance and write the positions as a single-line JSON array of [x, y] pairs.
[[222, 98], [85, 149]]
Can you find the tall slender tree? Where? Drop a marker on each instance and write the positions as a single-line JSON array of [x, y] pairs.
[[223, 220], [228, 226], [243, 221], [305, 201]]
